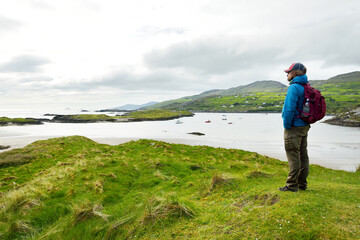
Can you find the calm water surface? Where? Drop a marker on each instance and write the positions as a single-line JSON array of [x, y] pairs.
[[329, 146]]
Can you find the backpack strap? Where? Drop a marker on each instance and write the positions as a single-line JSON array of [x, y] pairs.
[[300, 111]]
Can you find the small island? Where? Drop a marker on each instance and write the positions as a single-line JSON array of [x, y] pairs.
[[5, 121], [134, 116], [197, 133]]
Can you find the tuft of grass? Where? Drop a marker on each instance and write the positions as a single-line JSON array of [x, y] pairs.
[[157, 209], [86, 211], [220, 179], [10, 159], [217, 181], [19, 227], [98, 186], [258, 174]]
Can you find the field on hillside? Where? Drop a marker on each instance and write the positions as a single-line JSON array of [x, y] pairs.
[[248, 102], [75, 188], [336, 102], [341, 94]]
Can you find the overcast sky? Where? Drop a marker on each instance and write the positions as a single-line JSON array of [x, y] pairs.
[[96, 54]]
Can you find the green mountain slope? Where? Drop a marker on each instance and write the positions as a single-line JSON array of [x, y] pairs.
[[347, 77], [238, 99], [341, 92], [74, 188], [259, 86], [177, 104]]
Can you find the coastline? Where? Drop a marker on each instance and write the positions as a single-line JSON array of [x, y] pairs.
[[20, 142], [133, 116], [348, 119], [260, 133]]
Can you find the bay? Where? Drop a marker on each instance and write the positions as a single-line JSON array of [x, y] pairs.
[[330, 146]]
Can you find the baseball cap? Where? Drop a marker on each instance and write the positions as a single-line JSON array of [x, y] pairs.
[[295, 66]]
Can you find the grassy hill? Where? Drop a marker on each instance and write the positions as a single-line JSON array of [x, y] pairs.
[[177, 104], [257, 96], [259, 86], [341, 92], [74, 188]]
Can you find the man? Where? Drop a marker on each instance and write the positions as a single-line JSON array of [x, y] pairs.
[[296, 130]]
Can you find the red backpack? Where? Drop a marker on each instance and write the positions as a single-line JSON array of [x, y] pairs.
[[314, 106]]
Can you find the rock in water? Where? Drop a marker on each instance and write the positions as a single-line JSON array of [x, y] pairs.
[[197, 133]]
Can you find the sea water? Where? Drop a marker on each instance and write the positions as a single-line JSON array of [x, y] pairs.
[[330, 146]]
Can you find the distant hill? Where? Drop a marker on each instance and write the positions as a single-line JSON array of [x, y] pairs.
[[259, 86], [189, 101], [342, 79], [348, 82], [133, 106], [205, 94], [347, 77], [341, 92]]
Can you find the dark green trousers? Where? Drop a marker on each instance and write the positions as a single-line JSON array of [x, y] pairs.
[[295, 141]]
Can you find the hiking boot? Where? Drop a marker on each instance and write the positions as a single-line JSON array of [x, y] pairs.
[[286, 189]]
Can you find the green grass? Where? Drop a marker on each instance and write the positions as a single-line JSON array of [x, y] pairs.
[[91, 117], [6, 120], [141, 115], [74, 188], [156, 114], [342, 93], [246, 102], [336, 101]]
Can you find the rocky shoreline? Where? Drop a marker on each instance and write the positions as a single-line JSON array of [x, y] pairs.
[[348, 119], [2, 147]]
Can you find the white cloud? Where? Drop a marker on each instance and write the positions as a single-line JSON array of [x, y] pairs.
[[89, 53], [24, 63], [212, 57], [8, 24]]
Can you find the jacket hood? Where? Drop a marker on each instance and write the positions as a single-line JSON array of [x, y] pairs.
[[300, 79]]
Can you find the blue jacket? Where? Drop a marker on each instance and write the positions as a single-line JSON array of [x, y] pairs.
[[294, 99]]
